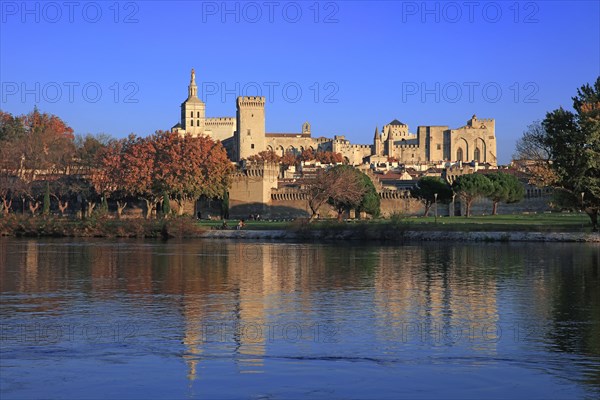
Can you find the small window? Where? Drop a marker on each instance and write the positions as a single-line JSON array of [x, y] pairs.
[[439, 146], [191, 122], [198, 114], [198, 123], [192, 114], [252, 146], [248, 132]]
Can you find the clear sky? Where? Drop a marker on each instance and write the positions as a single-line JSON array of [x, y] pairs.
[[344, 66]]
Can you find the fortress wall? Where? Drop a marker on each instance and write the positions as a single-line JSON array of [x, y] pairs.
[[527, 205], [220, 128], [404, 206]]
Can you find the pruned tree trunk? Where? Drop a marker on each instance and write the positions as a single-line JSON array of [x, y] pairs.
[[90, 207], [6, 205], [180, 207], [149, 207], [314, 203], [468, 207], [120, 208], [427, 208], [33, 207], [494, 208], [62, 207]]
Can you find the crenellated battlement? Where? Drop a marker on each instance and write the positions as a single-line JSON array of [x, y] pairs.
[[251, 101], [394, 194], [216, 121], [260, 168], [477, 122]]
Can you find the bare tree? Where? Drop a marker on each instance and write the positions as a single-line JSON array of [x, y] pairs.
[[341, 187], [534, 153]]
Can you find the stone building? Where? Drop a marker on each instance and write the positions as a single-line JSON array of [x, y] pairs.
[[263, 188], [245, 135]]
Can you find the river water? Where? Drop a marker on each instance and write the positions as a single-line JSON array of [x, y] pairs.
[[224, 319]]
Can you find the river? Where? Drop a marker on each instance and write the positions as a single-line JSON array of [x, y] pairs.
[[230, 319]]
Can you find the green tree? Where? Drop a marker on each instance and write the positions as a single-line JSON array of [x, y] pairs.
[[426, 189], [225, 205], [104, 205], [46, 206], [469, 187], [506, 188], [573, 140], [11, 128], [370, 203], [166, 204]]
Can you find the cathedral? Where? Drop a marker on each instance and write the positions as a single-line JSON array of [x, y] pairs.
[[244, 135]]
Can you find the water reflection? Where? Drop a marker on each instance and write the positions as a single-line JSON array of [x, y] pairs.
[[210, 303]]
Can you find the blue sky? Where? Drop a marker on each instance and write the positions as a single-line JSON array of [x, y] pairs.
[[344, 66]]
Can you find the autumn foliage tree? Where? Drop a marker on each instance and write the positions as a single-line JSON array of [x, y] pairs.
[[265, 156], [329, 157], [108, 178], [342, 187], [165, 164], [188, 167], [289, 159], [32, 145]]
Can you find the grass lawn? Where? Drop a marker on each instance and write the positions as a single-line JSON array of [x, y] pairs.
[[565, 222]]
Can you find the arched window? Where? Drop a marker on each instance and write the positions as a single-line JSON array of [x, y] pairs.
[[191, 122], [477, 154], [198, 114], [192, 114], [198, 123], [459, 154]]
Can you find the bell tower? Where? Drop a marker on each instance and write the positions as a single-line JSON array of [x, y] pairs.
[[193, 110], [377, 149]]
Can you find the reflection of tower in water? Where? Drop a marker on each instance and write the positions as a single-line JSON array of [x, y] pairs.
[[426, 295], [233, 295]]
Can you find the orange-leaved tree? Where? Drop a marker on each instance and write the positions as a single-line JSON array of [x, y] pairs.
[[188, 167]]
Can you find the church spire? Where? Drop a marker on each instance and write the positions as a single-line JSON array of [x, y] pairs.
[[192, 88], [377, 137]]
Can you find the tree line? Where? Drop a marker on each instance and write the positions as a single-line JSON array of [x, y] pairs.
[[498, 187], [295, 158], [43, 161]]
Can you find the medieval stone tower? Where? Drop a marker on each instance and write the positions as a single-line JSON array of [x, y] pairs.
[[250, 134], [193, 110]]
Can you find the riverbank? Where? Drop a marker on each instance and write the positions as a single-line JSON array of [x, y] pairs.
[[518, 228], [403, 235]]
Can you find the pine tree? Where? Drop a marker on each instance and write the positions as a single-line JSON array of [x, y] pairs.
[[46, 207]]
